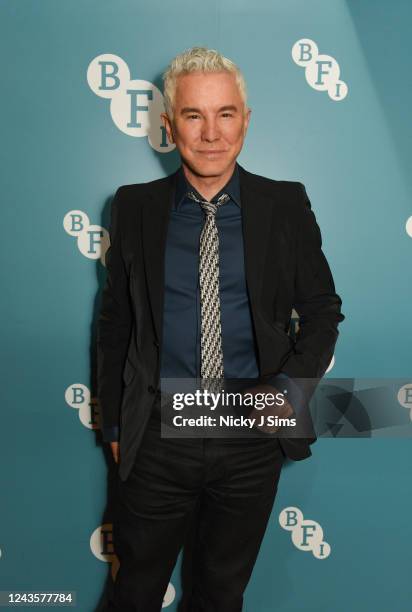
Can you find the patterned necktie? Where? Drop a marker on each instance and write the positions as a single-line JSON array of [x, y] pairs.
[[211, 330]]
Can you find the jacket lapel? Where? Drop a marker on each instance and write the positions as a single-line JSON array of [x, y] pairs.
[[262, 222], [155, 220], [256, 222]]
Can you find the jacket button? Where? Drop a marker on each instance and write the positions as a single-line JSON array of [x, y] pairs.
[[155, 342], [151, 389]]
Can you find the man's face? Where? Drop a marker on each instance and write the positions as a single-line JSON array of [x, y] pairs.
[[209, 123]]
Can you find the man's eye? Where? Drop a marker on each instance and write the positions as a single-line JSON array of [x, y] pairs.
[[193, 116], [227, 115]]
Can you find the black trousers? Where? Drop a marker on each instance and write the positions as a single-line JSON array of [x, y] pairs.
[[229, 483]]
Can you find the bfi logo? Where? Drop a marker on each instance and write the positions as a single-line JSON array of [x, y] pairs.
[[405, 398], [307, 535], [322, 72], [102, 546], [135, 104], [92, 240], [78, 396]]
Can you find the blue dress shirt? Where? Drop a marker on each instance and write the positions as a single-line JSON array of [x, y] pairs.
[[180, 356]]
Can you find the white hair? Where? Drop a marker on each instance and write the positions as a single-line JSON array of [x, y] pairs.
[[198, 59]]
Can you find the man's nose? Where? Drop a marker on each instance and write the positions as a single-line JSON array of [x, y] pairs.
[[210, 131]]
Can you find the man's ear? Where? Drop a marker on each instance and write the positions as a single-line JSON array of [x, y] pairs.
[[168, 126], [247, 118]]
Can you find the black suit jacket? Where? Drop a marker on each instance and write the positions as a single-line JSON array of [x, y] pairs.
[[285, 268]]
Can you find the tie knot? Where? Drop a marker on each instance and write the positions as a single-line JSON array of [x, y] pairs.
[[210, 208]]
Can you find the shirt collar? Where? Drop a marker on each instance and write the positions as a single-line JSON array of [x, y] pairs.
[[232, 188]]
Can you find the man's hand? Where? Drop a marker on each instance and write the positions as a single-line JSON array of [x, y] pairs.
[[115, 451], [282, 412]]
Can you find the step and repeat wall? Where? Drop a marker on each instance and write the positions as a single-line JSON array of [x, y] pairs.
[[329, 89]]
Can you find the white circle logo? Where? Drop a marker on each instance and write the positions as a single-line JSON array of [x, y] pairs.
[[135, 104]]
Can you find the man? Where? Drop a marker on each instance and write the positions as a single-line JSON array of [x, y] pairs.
[[203, 271]]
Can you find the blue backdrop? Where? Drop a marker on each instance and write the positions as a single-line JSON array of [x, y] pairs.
[[66, 147]]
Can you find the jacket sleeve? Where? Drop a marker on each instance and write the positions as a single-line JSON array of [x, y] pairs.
[[316, 302], [113, 328]]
